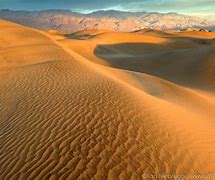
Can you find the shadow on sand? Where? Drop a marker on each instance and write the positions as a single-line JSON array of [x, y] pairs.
[[183, 66]]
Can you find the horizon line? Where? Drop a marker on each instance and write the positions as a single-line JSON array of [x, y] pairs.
[[81, 12], [125, 11]]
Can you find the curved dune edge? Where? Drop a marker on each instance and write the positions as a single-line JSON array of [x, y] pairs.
[[64, 117]]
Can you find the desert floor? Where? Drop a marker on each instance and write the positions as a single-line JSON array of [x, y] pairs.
[[106, 105]]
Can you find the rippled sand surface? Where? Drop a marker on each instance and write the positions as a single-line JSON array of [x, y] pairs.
[[111, 106]]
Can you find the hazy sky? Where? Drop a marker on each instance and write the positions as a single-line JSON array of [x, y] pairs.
[[204, 8]]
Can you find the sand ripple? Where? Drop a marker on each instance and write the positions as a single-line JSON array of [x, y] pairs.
[[63, 119]]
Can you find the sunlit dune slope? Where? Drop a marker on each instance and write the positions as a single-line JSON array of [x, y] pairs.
[[185, 58], [62, 116]]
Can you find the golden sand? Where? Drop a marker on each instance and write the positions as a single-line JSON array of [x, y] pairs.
[[106, 106]]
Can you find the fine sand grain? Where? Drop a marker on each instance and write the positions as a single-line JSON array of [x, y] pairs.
[[66, 113]]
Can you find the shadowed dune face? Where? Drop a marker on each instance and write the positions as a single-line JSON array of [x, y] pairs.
[[185, 58], [186, 66], [62, 116]]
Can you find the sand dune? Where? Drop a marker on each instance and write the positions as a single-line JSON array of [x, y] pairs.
[[157, 53], [64, 115]]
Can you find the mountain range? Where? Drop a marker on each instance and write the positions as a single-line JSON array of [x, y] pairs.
[[68, 21]]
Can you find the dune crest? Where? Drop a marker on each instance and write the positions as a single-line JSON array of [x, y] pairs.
[[64, 116]]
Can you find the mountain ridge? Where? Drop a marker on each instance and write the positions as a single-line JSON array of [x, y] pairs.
[[69, 21]]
